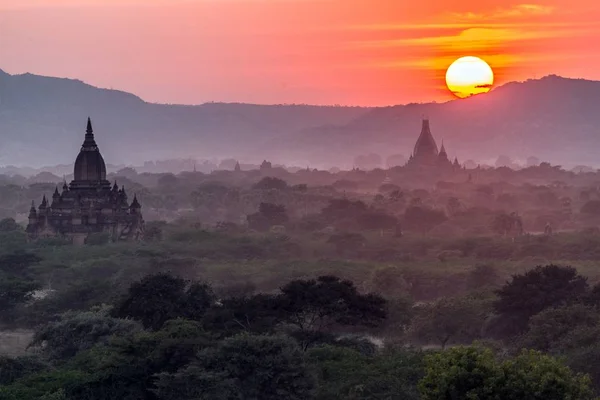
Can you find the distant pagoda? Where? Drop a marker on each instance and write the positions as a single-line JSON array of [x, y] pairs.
[[88, 204], [426, 154]]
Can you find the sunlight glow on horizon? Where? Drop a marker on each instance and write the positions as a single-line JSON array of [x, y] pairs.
[[355, 52]]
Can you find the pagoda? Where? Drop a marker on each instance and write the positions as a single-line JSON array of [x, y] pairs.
[[88, 205]]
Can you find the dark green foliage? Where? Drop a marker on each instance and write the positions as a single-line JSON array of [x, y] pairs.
[[473, 373], [257, 314], [16, 282], [450, 320], [346, 374], [242, 367], [76, 332], [321, 304], [552, 329], [482, 276], [536, 290], [153, 231], [12, 369], [75, 297], [9, 225], [161, 297], [18, 263], [126, 367], [97, 239]]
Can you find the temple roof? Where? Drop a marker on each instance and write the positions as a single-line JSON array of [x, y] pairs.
[[89, 165], [425, 145]]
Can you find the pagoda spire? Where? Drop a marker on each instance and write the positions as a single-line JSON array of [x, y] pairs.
[[425, 147], [135, 204], [89, 143]]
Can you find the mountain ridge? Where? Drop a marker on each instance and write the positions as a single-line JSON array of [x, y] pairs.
[[42, 118]]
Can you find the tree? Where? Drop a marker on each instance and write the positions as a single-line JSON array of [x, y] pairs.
[[13, 369], [257, 314], [153, 231], [267, 216], [9, 225], [549, 329], [97, 239], [76, 332], [123, 368], [314, 306], [453, 206], [450, 319], [474, 373], [536, 376], [345, 373], [460, 373], [271, 183], [343, 208], [16, 282], [242, 367], [162, 297], [482, 276], [536, 290], [505, 224]]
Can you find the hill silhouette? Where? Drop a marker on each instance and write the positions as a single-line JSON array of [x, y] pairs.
[[553, 118], [42, 121]]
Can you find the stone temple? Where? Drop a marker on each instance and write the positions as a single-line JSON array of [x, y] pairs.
[[426, 153], [88, 205]]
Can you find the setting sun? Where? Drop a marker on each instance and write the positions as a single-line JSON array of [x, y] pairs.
[[468, 76]]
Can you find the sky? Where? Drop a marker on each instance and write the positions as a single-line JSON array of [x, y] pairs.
[[350, 52]]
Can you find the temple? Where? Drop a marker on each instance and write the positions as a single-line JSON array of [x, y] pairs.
[[88, 204], [426, 153]]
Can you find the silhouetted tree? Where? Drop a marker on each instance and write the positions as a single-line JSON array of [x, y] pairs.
[[268, 215], [161, 297], [538, 289], [314, 306], [270, 183]]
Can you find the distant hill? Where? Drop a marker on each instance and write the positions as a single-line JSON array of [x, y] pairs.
[[42, 121], [554, 118]]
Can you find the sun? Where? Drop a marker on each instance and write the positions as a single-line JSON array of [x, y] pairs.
[[468, 76]]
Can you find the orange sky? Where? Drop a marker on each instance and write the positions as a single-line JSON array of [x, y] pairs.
[[355, 52]]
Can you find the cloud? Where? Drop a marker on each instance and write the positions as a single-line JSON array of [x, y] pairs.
[[474, 39], [517, 11]]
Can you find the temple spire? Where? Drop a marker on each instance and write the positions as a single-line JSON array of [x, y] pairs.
[[425, 148], [89, 143]]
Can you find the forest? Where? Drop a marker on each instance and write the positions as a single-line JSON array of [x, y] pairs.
[[268, 284]]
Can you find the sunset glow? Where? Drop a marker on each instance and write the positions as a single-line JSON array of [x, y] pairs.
[[469, 76], [355, 52]]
